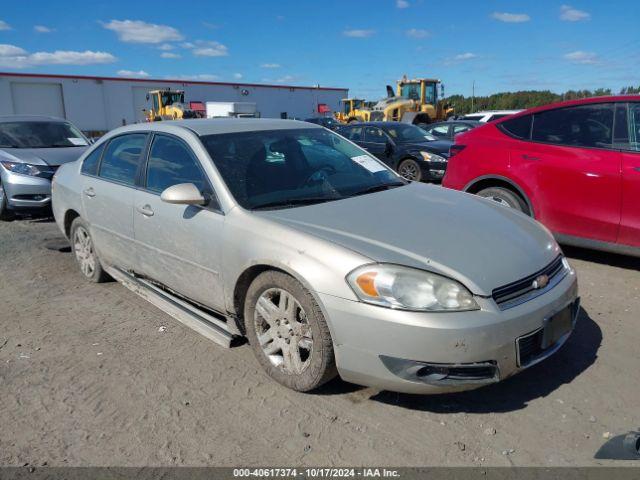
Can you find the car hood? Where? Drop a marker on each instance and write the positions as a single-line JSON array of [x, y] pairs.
[[436, 146], [481, 244], [43, 156]]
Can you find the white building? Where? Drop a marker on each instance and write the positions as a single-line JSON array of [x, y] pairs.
[[98, 104]]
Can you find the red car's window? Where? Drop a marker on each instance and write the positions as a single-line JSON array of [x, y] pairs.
[[581, 126]]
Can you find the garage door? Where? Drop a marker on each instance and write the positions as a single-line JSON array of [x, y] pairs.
[[37, 99], [140, 102]]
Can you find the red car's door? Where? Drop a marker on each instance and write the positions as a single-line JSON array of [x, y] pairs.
[[630, 220], [572, 171]]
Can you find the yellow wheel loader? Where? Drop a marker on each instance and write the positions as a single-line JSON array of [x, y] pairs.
[[353, 110], [169, 105], [414, 101]]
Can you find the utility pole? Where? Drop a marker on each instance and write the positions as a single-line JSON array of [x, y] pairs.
[[473, 95]]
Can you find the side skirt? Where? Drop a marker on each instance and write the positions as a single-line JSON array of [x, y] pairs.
[[597, 245], [207, 325]]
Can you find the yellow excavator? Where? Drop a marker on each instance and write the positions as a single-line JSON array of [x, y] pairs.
[[414, 101], [168, 105], [353, 110]]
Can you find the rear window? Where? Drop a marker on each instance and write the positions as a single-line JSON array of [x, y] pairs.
[[581, 126], [518, 127]]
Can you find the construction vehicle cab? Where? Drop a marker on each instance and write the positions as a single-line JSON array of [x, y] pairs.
[[168, 105], [414, 101], [353, 110]]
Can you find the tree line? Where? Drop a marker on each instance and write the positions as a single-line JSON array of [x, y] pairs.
[[525, 99]]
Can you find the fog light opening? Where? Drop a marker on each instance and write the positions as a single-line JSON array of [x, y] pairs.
[[432, 372]]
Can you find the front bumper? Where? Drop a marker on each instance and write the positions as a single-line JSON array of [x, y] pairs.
[[433, 171], [26, 193], [387, 348]]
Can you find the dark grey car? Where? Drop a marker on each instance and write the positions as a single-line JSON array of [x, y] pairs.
[[31, 150]]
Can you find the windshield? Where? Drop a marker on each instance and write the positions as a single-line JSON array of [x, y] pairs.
[[169, 98], [408, 133], [284, 168], [410, 91], [40, 135]]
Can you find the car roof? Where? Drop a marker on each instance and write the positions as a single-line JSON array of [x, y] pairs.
[[376, 124], [453, 122], [488, 112], [30, 118], [212, 126]]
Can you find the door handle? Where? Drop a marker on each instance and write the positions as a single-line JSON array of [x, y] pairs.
[[89, 192], [530, 157], [145, 210]]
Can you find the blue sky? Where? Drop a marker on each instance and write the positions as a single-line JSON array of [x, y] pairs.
[[359, 44]]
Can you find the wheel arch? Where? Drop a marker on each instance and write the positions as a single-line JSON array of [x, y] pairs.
[[487, 181], [250, 273], [69, 216]]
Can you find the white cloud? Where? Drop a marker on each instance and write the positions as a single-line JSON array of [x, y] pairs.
[[16, 57], [358, 33], [170, 55], [4, 25], [136, 31], [582, 58], [237, 76], [570, 14], [511, 17], [42, 29], [270, 65], [132, 73], [11, 50], [465, 56], [187, 45], [166, 46], [417, 33], [285, 79], [402, 4], [210, 49], [202, 77]]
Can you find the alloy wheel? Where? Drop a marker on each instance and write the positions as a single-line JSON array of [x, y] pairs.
[[283, 331], [83, 249], [409, 171]]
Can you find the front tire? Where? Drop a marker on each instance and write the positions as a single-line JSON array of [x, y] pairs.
[[85, 254], [505, 197], [410, 170], [6, 215], [288, 332]]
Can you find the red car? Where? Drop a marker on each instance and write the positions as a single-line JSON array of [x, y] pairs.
[[574, 166]]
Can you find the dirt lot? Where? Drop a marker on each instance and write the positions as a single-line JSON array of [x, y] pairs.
[[87, 378]]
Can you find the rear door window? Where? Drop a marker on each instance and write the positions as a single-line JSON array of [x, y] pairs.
[[634, 127], [440, 130], [122, 158], [92, 161], [581, 126], [374, 135], [519, 127]]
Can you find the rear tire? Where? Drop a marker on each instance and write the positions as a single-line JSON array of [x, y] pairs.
[[6, 215], [85, 254], [506, 198], [410, 169], [288, 332]]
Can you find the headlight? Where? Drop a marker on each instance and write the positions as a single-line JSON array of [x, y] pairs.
[[432, 157], [405, 288], [21, 168]]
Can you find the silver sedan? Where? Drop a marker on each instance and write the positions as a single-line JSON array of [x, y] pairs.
[[325, 259]]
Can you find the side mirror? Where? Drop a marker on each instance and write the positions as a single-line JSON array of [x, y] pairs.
[[183, 194]]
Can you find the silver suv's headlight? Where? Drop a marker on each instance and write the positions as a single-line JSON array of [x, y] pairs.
[[406, 288], [21, 168]]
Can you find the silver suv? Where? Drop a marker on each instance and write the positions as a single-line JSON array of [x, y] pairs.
[[325, 259], [31, 149]]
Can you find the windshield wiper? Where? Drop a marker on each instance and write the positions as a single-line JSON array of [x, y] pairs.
[[379, 188], [293, 202]]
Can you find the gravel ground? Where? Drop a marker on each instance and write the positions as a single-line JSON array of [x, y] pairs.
[[87, 377]]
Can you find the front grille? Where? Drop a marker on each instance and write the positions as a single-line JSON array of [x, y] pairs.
[[530, 347], [47, 171], [522, 290]]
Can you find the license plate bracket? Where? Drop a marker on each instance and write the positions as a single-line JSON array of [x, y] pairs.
[[557, 326]]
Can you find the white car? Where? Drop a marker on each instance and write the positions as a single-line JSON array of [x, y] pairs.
[[489, 115]]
